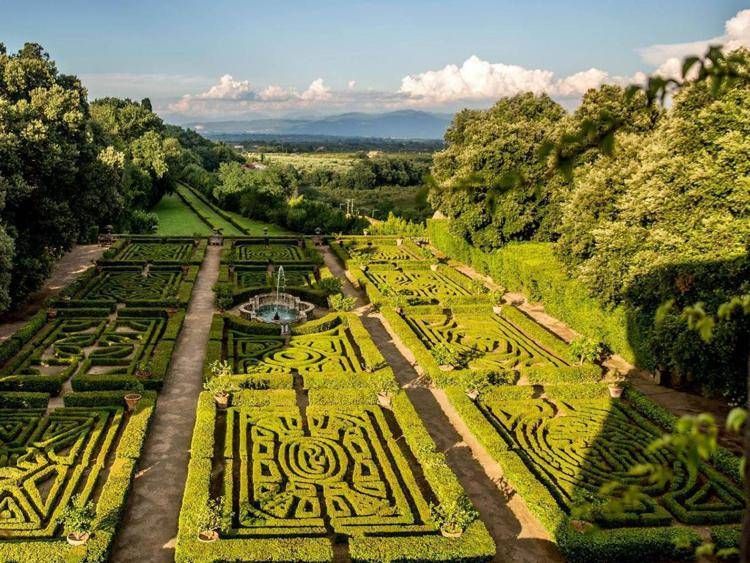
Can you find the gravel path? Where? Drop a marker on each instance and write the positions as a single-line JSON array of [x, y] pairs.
[[74, 263], [149, 528]]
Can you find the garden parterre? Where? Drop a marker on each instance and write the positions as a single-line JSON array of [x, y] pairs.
[[96, 349], [83, 452], [558, 436], [302, 472], [157, 250], [102, 340]]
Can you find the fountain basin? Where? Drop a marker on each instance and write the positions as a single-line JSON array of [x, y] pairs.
[[281, 308]]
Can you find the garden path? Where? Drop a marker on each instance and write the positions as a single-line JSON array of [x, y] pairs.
[[677, 402], [72, 264], [149, 527], [518, 535]]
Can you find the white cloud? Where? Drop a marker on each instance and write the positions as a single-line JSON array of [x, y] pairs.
[[668, 57], [316, 92], [352, 84], [229, 89], [275, 93], [477, 79], [140, 85]]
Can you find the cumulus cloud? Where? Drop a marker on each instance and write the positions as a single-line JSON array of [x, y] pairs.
[[668, 57], [229, 89], [352, 84], [477, 79], [316, 92]]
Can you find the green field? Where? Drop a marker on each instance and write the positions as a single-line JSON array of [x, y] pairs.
[[177, 219], [336, 161]]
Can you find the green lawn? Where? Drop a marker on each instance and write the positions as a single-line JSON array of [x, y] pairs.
[[216, 220], [177, 219]]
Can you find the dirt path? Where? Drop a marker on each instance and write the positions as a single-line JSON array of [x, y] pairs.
[[74, 263], [677, 402], [518, 535], [149, 529]]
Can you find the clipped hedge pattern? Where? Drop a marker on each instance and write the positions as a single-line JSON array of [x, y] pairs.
[[48, 458]]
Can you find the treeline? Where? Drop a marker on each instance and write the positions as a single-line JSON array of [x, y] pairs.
[[665, 216], [271, 195], [258, 142], [368, 173], [69, 168]]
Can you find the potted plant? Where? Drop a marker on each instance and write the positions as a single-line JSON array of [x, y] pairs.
[[143, 370], [51, 314], [185, 269], [400, 302], [447, 358], [221, 384], [399, 241], [76, 519], [210, 520], [615, 383], [434, 267], [135, 395], [497, 302], [453, 517], [385, 395]]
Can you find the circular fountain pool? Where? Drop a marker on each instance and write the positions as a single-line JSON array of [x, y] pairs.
[[281, 308]]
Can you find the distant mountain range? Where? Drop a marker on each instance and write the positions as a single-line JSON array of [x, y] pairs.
[[406, 124]]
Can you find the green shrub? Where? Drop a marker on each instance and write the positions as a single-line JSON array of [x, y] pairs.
[[339, 302]]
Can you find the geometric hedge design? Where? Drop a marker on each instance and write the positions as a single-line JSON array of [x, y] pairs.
[[96, 346], [329, 469], [422, 284], [47, 459], [328, 351], [483, 341], [251, 277], [276, 252], [156, 252], [380, 252], [574, 447], [122, 285]]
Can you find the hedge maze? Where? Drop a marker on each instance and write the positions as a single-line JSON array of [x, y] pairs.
[[486, 341], [155, 250], [308, 463], [110, 334], [548, 420], [326, 351], [280, 252], [249, 277], [375, 250], [332, 469], [98, 349], [49, 459]]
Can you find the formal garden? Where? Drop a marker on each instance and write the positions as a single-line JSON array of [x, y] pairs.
[[79, 383]]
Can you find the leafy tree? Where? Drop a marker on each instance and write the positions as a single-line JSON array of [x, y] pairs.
[[489, 178]]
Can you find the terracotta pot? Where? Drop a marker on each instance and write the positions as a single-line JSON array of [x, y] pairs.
[[399, 241], [77, 539], [399, 310], [185, 270], [450, 532], [434, 267], [208, 536], [497, 309], [222, 400], [445, 367], [52, 314], [131, 400], [615, 391]]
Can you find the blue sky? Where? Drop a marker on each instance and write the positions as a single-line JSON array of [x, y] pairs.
[[236, 59]]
